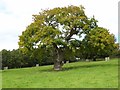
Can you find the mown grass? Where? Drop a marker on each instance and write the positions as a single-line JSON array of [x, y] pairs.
[[100, 74]]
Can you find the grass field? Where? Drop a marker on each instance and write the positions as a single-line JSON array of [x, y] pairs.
[[100, 74]]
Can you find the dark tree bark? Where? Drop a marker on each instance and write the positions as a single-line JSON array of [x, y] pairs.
[[94, 58], [58, 59]]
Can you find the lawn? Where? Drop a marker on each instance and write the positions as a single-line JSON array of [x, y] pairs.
[[100, 74]]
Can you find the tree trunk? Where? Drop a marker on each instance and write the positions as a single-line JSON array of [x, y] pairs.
[[58, 61], [57, 66], [94, 58], [58, 58]]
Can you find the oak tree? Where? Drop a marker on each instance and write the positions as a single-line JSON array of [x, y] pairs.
[[60, 28]]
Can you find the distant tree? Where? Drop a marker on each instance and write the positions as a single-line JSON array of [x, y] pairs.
[[56, 28], [99, 42], [116, 52], [14, 59], [6, 58], [43, 55], [18, 59]]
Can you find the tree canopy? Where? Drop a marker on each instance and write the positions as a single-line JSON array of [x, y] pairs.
[[99, 42]]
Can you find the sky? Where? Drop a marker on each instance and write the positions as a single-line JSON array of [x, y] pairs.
[[16, 15]]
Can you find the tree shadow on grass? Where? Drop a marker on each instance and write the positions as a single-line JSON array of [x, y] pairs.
[[69, 68], [87, 66]]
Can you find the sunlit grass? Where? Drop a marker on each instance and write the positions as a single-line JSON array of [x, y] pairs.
[[100, 74]]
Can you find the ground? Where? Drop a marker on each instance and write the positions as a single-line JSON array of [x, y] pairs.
[[99, 74]]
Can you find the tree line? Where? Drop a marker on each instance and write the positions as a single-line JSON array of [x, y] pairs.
[[43, 56]]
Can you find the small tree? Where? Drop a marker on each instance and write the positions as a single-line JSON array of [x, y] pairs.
[[99, 42], [56, 28]]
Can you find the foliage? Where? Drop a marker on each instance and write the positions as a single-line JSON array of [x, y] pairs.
[[16, 59], [5, 58], [99, 42], [12, 59], [56, 26], [116, 52]]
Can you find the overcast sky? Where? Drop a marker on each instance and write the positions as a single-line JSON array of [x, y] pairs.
[[15, 15]]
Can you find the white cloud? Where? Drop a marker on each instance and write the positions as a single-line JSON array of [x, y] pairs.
[[15, 15]]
